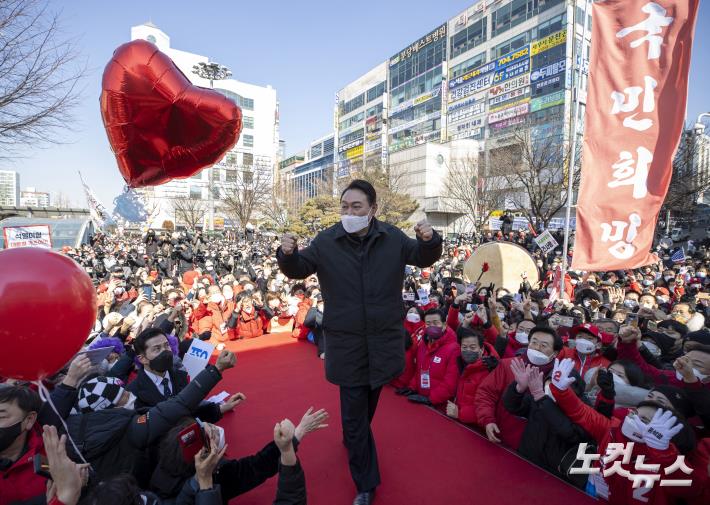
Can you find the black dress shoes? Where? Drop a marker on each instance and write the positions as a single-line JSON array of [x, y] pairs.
[[365, 498]]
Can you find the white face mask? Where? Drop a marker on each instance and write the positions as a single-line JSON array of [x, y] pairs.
[[216, 298], [701, 377], [353, 224], [584, 346], [535, 311], [618, 381], [522, 337], [537, 358], [413, 317], [501, 315], [630, 430]]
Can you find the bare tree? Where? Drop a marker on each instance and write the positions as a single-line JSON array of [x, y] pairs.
[[394, 205], [39, 74], [191, 211], [249, 194], [535, 173], [61, 200], [688, 181], [470, 193]]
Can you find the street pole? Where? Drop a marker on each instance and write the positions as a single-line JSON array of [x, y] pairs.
[[575, 128], [212, 71]]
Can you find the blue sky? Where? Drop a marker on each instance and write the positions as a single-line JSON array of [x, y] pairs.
[[307, 50]]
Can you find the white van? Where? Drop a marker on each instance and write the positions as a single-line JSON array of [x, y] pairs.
[[679, 234]]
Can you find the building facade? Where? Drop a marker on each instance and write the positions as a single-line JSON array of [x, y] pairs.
[[497, 67], [9, 188], [32, 198], [256, 155]]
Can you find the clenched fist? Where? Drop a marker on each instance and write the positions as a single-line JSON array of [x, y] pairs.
[[424, 231], [288, 243]]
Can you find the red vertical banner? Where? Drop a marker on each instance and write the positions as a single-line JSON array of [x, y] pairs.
[[638, 87]]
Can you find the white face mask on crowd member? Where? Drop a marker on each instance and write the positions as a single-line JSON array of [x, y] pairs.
[[541, 349]]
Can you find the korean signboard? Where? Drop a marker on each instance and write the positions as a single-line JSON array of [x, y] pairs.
[[548, 71], [350, 145], [415, 101], [509, 105], [541, 85], [508, 113], [467, 102], [543, 102], [466, 112], [548, 42], [27, 236], [354, 152], [488, 67], [546, 242], [514, 56], [518, 82], [634, 119], [414, 122], [471, 87], [511, 95], [506, 123], [512, 70], [414, 48]]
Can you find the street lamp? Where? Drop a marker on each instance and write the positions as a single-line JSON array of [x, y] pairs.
[[212, 71]]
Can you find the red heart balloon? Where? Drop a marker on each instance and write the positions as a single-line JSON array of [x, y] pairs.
[[159, 125], [47, 309]]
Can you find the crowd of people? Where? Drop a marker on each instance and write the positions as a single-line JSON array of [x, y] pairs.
[[616, 357]]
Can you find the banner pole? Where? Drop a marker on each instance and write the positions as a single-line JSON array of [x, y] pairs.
[[575, 128]]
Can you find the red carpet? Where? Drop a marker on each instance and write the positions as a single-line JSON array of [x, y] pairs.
[[425, 458]]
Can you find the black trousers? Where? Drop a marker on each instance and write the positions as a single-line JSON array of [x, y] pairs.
[[357, 408]]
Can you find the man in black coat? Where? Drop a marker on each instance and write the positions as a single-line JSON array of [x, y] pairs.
[[360, 265], [158, 380]]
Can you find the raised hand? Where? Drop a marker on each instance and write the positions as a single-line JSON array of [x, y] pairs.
[[659, 432], [289, 243], [225, 361], [561, 373], [232, 402], [424, 231], [80, 367], [521, 373], [535, 383], [311, 421]]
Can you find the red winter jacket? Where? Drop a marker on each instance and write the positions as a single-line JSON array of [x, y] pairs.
[[606, 431], [19, 482], [490, 409], [452, 321], [299, 330], [410, 361], [249, 324], [596, 360], [412, 328], [631, 351], [513, 346], [470, 379], [439, 359]]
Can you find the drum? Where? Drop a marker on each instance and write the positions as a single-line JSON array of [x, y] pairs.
[[507, 262]]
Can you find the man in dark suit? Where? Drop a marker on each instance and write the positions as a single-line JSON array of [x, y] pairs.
[[158, 380]]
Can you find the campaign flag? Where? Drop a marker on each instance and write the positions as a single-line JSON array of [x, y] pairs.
[[97, 210], [638, 87]]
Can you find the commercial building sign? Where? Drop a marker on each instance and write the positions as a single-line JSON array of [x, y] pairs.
[[484, 69], [471, 87], [354, 152], [507, 123], [466, 134], [27, 236], [548, 71], [548, 42], [514, 56], [543, 102], [350, 145], [508, 86], [511, 112], [511, 95], [415, 101], [512, 70], [463, 113], [509, 105], [415, 122], [547, 82], [467, 102], [420, 44], [373, 144]]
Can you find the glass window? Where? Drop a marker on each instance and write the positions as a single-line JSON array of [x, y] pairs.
[[329, 145], [196, 192], [247, 177], [231, 176], [248, 140], [511, 45], [468, 65], [376, 91], [544, 58], [248, 159], [469, 38], [351, 105], [316, 151], [248, 122]]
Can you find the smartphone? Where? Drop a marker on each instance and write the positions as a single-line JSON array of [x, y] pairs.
[[148, 291], [652, 325], [471, 307], [633, 320], [408, 297], [96, 356], [191, 440], [41, 466]]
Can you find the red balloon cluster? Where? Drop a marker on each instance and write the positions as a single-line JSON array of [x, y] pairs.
[[47, 309], [159, 125]]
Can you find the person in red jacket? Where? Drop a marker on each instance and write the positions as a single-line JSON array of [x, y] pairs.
[[436, 376], [414, 326], [650, 428], [249, 322], [478, 359], [544, 346], [587, 351], [20, 440]]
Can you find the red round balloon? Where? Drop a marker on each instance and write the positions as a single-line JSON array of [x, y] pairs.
[[160, 126], [47, 310]]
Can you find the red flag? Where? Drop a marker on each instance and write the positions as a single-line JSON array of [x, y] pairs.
[[638, 87]]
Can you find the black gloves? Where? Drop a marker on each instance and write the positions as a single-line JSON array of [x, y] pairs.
[[404, 391], [490, 362], [419, 399], [605, 380]]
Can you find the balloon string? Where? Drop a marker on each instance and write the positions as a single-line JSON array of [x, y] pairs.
[[45, 396]]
